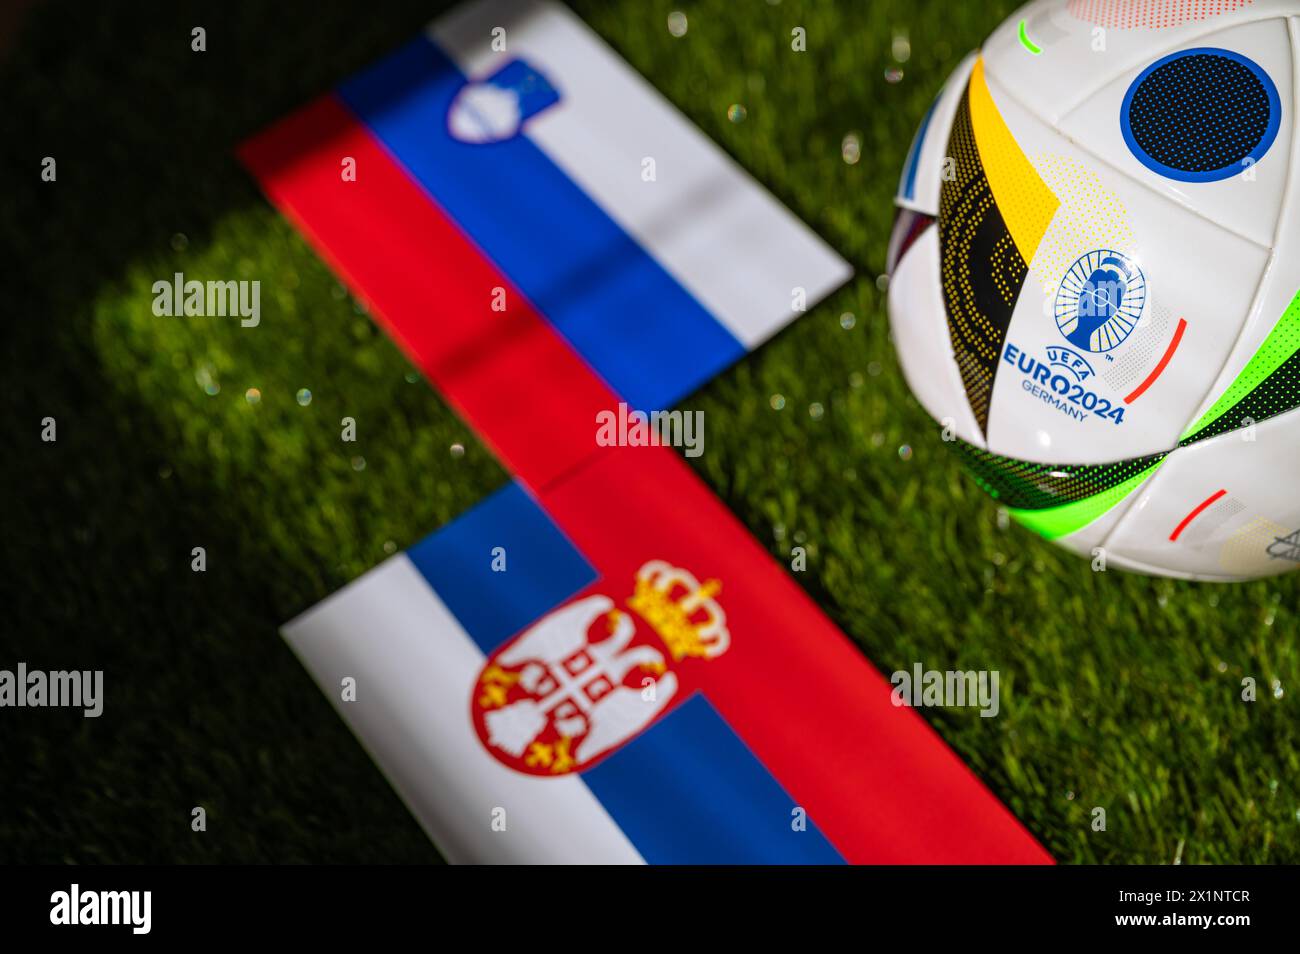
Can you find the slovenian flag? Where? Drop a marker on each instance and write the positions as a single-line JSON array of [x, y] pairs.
[[597, 663]]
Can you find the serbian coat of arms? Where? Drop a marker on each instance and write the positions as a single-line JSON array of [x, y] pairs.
[[588, 676]]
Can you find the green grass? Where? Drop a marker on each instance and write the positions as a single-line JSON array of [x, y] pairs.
[[1118, 691]]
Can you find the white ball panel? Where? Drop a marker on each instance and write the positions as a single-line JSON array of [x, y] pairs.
[[1086, 539], [920, 329], [1234, 536], [1115, 561]]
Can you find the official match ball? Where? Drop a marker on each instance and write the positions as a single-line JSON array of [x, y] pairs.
[[1095, 279]]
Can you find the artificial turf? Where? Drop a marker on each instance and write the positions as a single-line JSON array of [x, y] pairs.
[[1118, 691]]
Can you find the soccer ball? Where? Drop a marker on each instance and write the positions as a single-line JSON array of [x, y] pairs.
[[1095, 279]]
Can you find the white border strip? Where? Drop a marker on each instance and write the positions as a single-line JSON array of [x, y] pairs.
[[414, 668]]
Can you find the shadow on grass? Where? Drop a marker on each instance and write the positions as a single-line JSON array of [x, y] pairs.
[[206, 706]]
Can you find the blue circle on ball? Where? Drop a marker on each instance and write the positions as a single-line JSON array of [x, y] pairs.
[[1201, 115]]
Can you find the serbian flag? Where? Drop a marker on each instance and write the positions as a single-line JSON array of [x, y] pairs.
[[597, 663]]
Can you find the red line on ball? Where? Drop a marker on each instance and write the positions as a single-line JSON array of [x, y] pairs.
[[1164, 363], [1195, 513]]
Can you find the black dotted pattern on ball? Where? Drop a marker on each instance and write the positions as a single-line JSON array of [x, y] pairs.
[[1026, 486], [1199, 113], [1276, 394]]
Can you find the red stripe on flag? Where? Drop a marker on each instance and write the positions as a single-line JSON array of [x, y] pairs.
[[877, 780], [521, 386]]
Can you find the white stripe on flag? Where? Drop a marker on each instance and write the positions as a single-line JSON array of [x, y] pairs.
[[720, 234], [414, 668]]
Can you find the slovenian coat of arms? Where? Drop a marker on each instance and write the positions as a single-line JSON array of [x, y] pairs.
[[587, 677]]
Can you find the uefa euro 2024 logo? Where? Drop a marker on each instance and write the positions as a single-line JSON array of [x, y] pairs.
[[1100, 300]]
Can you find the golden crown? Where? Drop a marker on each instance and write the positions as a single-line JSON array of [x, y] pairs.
[[681, 610]]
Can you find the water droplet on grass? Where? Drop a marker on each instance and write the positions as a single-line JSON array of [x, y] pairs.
[[851, 149]]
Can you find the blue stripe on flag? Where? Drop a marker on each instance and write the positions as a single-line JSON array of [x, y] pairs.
[[616, 306], [543, 569], [689, 791]]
